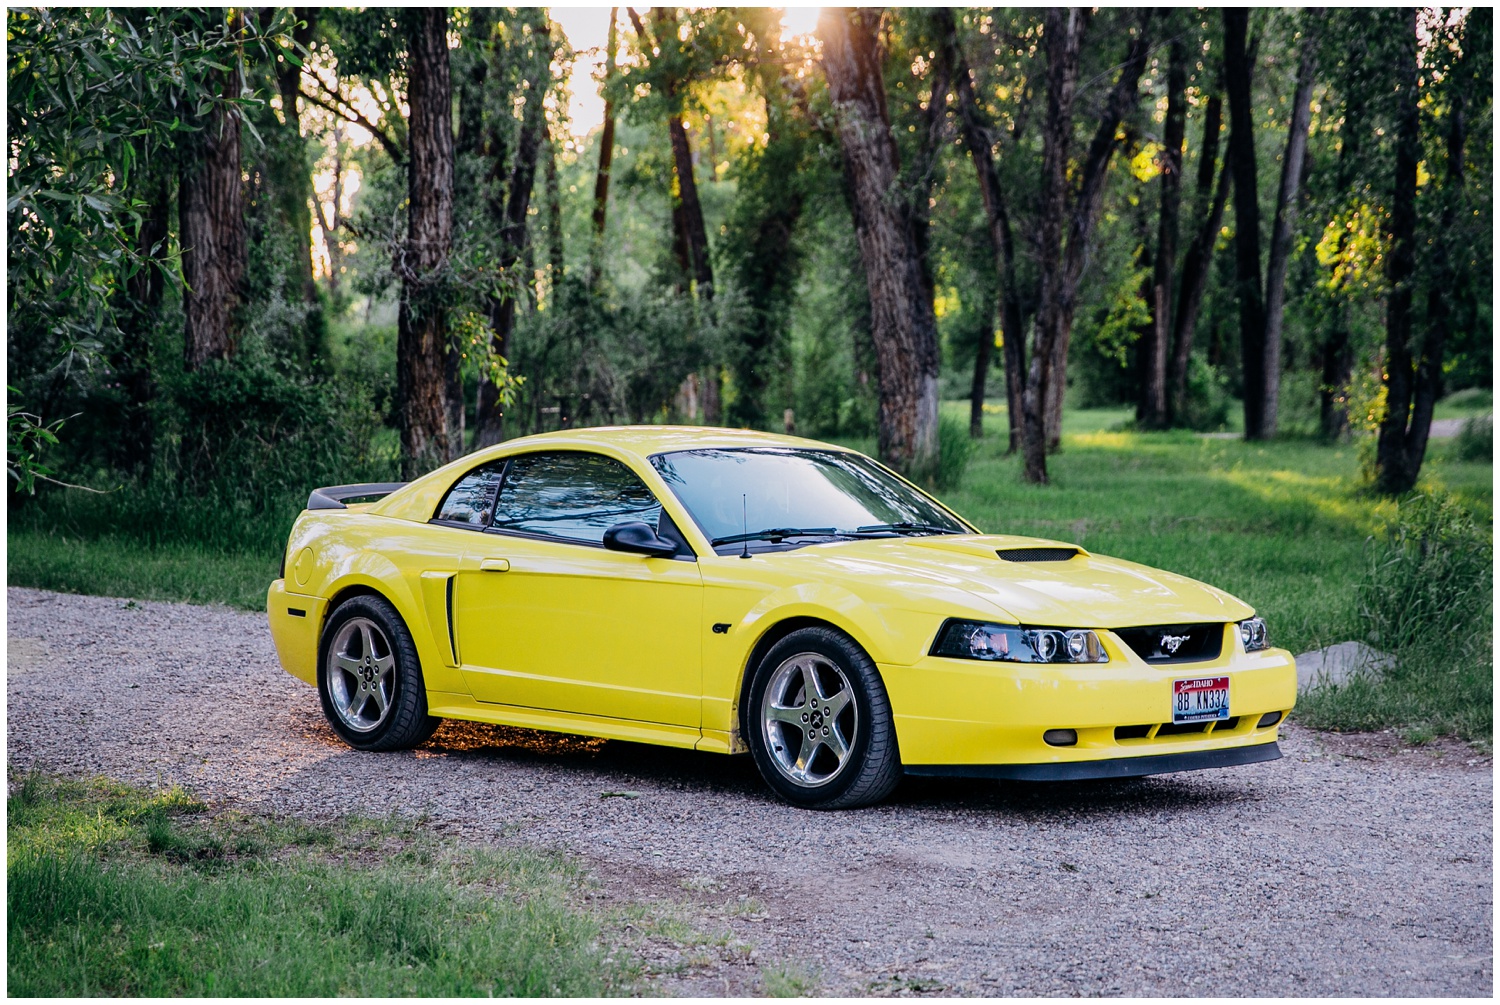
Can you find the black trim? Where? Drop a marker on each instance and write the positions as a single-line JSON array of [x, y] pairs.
[[335, 496], [296, 612], [452, 644], [1115, 767]]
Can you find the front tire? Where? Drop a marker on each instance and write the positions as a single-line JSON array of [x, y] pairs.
[[370, 679], [819, 723]]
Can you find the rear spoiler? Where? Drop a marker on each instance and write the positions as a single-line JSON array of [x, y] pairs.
[[335, 496]]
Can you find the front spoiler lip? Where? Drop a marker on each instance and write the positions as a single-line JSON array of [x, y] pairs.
[[1115, 767]]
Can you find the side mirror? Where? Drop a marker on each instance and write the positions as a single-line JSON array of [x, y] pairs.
[[638, 538]]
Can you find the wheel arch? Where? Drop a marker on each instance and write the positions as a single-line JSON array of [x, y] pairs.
[[767, 641]]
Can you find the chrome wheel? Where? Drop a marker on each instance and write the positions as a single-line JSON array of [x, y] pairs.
[[809, 719], [361, 674]]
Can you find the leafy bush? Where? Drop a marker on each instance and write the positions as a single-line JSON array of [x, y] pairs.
[[955, 448], [1425, 600], [1429, 579], [1207, 406], [1476, 440]]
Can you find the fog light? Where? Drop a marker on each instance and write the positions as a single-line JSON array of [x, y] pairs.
[[1269, 719], [1061, 737]]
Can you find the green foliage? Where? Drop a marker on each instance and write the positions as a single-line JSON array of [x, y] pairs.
[[1208, 403], [96, 97], [1428, 577], [1425, 599], [25, 439], [117, 891], [1476, 440], [955, 448]]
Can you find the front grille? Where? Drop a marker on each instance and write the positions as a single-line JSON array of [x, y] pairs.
[[1038, 554], [1174, 643], [1144, 731]]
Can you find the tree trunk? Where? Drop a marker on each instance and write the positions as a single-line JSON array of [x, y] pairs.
[[1285, 223], [1083, 214], [1209, 216], [421, 386], [211, 220], [296, 200], [132, 361], [983, 353], [1246, 221], [1062, 38], [1411, 396], [903, 325], [606, 159], [556, 263], [700, 269], [489, 422], [1153, 410], [977, 138], [1061, 263]]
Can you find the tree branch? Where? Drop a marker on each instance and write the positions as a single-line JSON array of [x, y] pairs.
[[391, 146]]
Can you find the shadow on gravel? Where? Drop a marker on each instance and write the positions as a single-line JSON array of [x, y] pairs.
[[637, 764]]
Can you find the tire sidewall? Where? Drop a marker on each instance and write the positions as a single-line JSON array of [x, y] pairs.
[[407, 670], [858, 668]]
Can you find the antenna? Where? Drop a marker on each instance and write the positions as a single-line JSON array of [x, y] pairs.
[[745, 523]]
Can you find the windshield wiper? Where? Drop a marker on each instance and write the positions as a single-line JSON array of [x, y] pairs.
[[905, 528], [776, 535]]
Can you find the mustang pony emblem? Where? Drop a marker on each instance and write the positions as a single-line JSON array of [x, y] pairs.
[[1171, 643]]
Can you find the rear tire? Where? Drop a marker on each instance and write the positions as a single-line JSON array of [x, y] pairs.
[[370, 678], [819, 723]]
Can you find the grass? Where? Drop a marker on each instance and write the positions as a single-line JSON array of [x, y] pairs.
[[123, 567], [117, 891]]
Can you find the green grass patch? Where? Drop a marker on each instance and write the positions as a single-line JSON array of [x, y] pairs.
[[116, 891], [124, 567]]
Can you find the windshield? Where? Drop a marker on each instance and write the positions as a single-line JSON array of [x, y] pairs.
[[785, 494]]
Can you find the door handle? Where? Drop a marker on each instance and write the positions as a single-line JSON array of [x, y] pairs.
[[494, 565]]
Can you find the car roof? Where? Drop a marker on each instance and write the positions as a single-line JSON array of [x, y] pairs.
[[648, 440]]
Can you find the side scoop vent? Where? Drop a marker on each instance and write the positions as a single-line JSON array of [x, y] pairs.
[[1038, 554]]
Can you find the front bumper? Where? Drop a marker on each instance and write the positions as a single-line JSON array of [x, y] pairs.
[[968, 716]]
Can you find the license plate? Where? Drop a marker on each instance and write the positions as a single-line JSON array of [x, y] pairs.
[[1200, 699]]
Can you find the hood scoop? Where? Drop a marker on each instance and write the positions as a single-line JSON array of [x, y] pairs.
[[1037, 554]]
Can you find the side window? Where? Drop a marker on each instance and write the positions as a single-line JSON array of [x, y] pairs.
[[470, 500], [574, 496]]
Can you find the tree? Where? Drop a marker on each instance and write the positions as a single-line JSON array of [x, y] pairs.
[[979, 138], [1208, 213], [1068, 211], [508, 206], [606, 157], [1416, 343], [212, 217], [903, 325], [1152, 410], [421, 259], [1262, 306]]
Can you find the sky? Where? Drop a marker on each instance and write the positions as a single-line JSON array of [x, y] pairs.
[[587, 29]]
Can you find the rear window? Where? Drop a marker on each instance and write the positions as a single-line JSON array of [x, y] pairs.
[[471, 501]]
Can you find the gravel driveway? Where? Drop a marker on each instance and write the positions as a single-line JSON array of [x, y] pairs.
[[1350, 867]]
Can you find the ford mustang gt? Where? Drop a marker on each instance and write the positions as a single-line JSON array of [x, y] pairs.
[[729, 590]]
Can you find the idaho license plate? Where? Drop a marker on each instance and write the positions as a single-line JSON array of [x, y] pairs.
[[1200, 699]]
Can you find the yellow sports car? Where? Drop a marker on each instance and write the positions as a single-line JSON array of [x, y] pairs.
[[728, 590]]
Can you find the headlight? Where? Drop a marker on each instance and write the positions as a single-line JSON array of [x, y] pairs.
[[975, 640], [1253, 634]]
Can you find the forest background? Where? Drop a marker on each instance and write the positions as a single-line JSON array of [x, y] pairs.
[[255, 250]]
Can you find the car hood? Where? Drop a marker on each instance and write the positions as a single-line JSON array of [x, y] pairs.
[[1086, 591]]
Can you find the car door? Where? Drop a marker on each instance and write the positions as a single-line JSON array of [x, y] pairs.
[[547, 618]]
